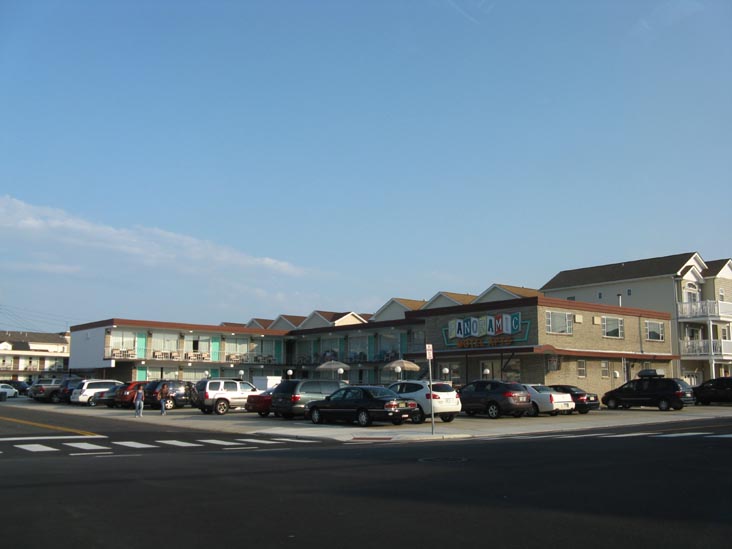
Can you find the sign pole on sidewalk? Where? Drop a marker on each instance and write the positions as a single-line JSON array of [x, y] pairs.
[[428, 351]]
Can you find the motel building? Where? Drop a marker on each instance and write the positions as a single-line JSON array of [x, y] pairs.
[[544, 340]]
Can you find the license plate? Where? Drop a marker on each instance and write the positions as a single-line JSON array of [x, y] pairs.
[[522, 399], [592, 398], [405, 416]]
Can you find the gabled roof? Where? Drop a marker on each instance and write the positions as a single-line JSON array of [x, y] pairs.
[[715, 267], [670, 265], [519, 291], [400, 304], [15, 338], [411, 304], [290, 320], [455, 298], [498, 292], [263, 323]]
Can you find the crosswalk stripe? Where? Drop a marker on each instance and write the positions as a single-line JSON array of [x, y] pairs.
[[303, 441], [677, 435], [719, 436], [36, 448], [219, 442], [132, 444], [86, 446], [257, 441], [179, 443], [626, 435]]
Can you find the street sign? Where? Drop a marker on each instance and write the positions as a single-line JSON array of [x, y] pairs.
[[428, 349]]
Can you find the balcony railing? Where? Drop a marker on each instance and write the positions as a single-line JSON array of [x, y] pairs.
[[189, 356], [704, 309], [719, 347]]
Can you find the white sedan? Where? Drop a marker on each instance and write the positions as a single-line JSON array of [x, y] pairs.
[[545, 400], [9, 390], [443, 398]]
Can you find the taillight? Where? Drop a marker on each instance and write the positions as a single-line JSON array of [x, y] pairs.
[[457, 395], [391, 405], [510, 394], [582, 397], [295, 398], [412, 404], [205, 395], [41, 390], [680, 393], [433, 396], [551, 398]]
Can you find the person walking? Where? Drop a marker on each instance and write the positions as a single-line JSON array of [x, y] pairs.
[[139, 400], [163, 397]]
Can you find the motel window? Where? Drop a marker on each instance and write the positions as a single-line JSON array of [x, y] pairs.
[[725, 333], [721, 294], [122, 340], [599, 295], [630, 292], [558, 323], [613, 327], [581, 368], [605, 369], [654, 331]]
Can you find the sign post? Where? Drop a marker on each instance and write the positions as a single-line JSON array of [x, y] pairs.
[[428, 351]]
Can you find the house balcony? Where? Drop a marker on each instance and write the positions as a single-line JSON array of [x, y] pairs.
[[720, 348], [705, 310], [188, 356]]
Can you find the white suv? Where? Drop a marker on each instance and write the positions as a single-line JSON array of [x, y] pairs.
[[87, 390], [222, 395], [444, 398]]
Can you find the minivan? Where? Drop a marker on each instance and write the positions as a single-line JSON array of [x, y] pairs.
[[651, 389], [290, 397], [88, 389]]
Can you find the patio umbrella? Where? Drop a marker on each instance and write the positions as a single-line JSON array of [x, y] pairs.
[[405, 365], [333, 365]]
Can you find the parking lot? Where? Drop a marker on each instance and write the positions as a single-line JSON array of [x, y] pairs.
[[463, 426]]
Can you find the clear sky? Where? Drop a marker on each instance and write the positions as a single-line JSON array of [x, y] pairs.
[[208, 161]]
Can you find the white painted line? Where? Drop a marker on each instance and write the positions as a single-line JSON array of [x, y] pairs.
[[60, 437], [132, 444], [719, 436], [628, 435], [179, 443], [302, 441], [36, 448], [582, 436], [219, 442], [240, 448], [95, 454], [86, 446], [257, 441], [678, 435]]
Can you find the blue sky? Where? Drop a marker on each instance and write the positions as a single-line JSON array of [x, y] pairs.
[[208, 161]]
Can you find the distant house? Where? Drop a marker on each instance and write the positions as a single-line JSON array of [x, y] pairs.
[[30, 355]]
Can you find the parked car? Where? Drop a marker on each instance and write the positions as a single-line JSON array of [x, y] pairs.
[[21, 386], [63, 395], [651, 389], [8, 390], [106, 398], [290, 397], [363, 404], [43, 389], [495, 398], [179, 393], [583, 401], [125, 395], [222, 395], [443, 398], [260, 403], [714, 390], [545, 400], [88, 390]]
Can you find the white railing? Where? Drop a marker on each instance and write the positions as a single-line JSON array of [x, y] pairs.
[[703, 309], [701, 347]]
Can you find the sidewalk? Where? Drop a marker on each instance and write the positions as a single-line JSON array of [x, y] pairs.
[[463, 427]]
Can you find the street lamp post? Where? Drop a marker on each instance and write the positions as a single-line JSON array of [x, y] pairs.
[[445, 371], [289, 374], [340, 373], [485, 373], [398, 371]]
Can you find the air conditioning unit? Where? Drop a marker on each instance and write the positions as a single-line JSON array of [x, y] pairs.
[[578, 319], [597, 320]]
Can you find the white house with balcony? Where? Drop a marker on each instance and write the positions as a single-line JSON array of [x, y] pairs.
[[29, 355], [697, 293]]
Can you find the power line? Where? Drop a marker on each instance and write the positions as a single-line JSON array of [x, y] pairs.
[[27, 320]]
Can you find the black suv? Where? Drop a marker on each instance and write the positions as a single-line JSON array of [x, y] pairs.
[[651, 389], [291, 396], [714, 390], [495, 398], [179, 393]]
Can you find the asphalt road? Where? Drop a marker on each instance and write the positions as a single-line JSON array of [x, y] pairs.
[[657, 484]]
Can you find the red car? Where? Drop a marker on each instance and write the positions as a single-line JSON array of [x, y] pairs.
[[260, 403], [125, 394]]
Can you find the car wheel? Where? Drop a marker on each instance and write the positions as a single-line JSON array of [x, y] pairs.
[[493, 410], [221, 407], [55, 398], [470, 412], [612, 404], [553, 413], [518, 414], [206, 411], [363, 418], [677, 405], [91, 401], [663, 405], [583, 411], [170, 404], [263, 414], [315, 416], [418, 416], [447, 418]]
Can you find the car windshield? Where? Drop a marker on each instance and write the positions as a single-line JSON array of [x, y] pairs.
[[379, 392], [541, 388], [285, 387], [442, 388], [684, 386]]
